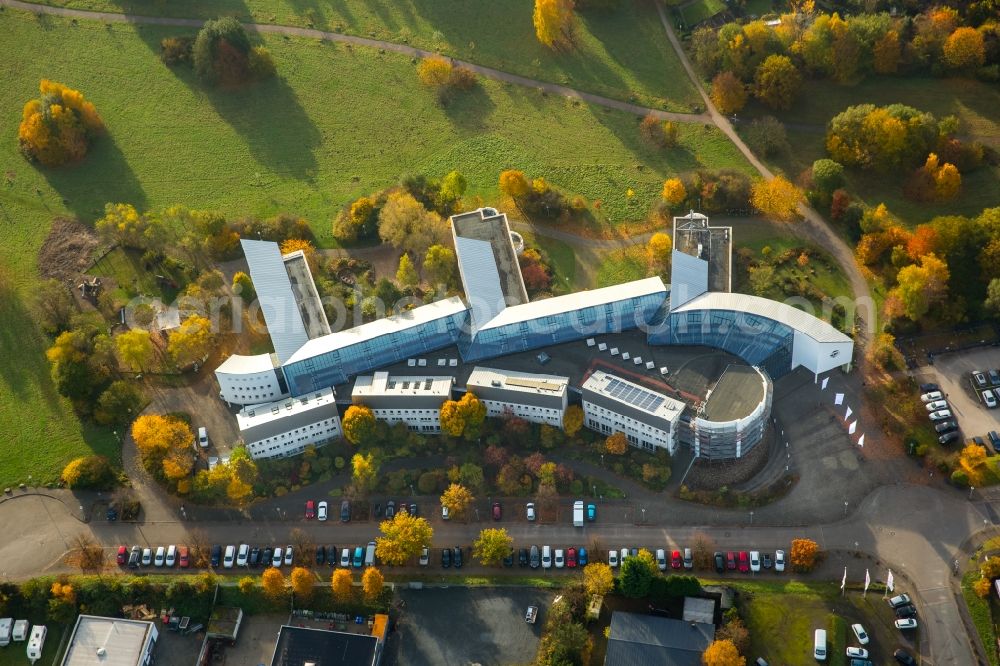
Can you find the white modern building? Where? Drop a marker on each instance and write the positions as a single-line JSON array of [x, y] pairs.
[[107, 641], [415, 401], [250, 380], [649, 420], [286, 427], [733, 418], [532, 397]]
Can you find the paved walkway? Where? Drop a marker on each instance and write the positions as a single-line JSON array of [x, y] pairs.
[[488, 72]]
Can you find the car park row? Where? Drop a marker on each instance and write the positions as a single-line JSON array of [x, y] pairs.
[[905, 611]]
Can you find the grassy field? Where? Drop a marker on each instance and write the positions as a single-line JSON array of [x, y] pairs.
[[336, 124], [697, 11], [974, 103], [622, 54], [561, 258], [622, 266]]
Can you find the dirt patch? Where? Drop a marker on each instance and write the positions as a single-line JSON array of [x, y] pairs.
[[67, 250]]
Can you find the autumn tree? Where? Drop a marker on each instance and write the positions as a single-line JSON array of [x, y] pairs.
[[359, 220], [934, 181], [165, 440], [776, 198], [514, 184], [881, 138], [736, 631], [364, 471], [191, 341], [406, 274], [827, 176], [405, 224], [463, 416], [342, 585], [403, 536], [88, 473], [123, 224], [722, 653], [637, 574], [803, 555], [616, 444], [302, 583], [457, 498], [658, 251], [882, 352], [673, 192], [553, 21], [777, 82], [728, 93], [886, 53], [572, 420], [59, 126], [359, 424], [243, 474], [598, 578], [965, 49], [972, 461], [243, 287], [919, 287], [272, 581], [492, 546], [372, 583], [440, 265], [444, 77], [135, 348], [246, 585], [222, 54], [291, 245], [657, 132]]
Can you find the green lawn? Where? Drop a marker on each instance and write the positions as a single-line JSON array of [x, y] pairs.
[[623, 266], [561, 258], [982, 614], [15, 654], [622, 54], [973, 102], [697, 11]]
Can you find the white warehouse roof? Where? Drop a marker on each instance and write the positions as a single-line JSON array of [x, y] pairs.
[[576, 301], [796, 319]]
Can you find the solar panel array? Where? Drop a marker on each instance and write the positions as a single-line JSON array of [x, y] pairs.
[[634, 395]]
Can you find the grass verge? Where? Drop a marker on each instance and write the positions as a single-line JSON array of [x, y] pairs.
[[622, 266], [982, 615]]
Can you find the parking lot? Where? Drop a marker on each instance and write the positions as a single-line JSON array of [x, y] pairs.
[[467, 626], [952, 373]]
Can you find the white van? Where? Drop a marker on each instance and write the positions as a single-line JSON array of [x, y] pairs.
[[578, 513], [227, 561], [819, 645], [36, 643], [21, 630], [6, 625], [171, 556], [242, 555], [546, 557], [161, 555], [370, 554]]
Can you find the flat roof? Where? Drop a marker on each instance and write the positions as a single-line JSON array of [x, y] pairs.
[[306, 297], [275, 296], [122, 641], [385, 326], [487, 262], [737, 393], [272, 418], [246, 365], [384, 384], [298, 646], [522, 382], [796, 319], [547, 307], [634, 397], [693, 236]]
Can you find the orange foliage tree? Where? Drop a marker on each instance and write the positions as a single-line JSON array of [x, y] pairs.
[[804, 554], [372, 582], [728, 93], [58, 127], [964, 49], [616, 444]]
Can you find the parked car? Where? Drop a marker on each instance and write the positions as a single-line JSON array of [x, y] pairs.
[[755, 561], [994, 440], [535, 560], [183, 557], [171, 557], [161, 555], [940, 415], [731, 561], [744, 562], [994, 377], [497, 511], [243, 555], [320, 555], [661, 559], [906, 623], [571, 558], [445, 558], [937, 405], [581, 557], [546, 557], [122, 555], [932, 396], [613, 558], [289, 556], [623, 555], [278, 557], [978, 379], [266, 556], [688, 559], [345, 511], [858, 653], [254, 560], [413, 509], [215, 557], [310, 509], [779, 560], [390, 509], [378, 509], [766, 560], [560, 560], [904, 657], [908, 610], [425, 556], [203, 437], [345, 557], [929, 386], [860, 633], [720, 562], [332, 553], [321, 510], [675, 560], [358, 560], [591, 512], [445, 513], [134, 557], [530, 506], [948, 437], [946, 426], [458, 557], [989, 399], [522, 557], [508, 560]]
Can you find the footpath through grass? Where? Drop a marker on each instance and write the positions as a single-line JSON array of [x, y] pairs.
[[622, 54]]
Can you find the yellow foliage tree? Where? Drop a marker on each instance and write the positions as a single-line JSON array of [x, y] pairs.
[[965, 49], [776, 198], [58, 127], [406, 274], [553, 22], [458, 416], [971, 461], [364, 470], [272, 581], [295, 244], [722, 653], [457, 498], [492, 546], [598, 579], [728, 93], [358, 424], [572, 420], [246, 585], [191, 341], [658, 251], [886, 53], [803, 554], [513, 183], [372, 582], [674, 192], [921, 286], [303, 582], [435, 72], [135, 348], [155, 436], [983, 587], [342, 585], [403, 536], [616, 444]]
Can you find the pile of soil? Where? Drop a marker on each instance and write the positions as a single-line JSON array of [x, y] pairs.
[[67, 251]]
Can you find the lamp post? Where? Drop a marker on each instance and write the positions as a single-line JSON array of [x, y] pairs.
[[751, 517], [970, 492], [643, 516], [845, 508]]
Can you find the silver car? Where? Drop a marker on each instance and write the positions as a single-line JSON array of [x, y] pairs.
[[940, 415], [935, 405]]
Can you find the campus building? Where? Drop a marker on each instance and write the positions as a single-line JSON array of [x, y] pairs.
[[648, 419], [733, 420], [534, 398], [288, 426], [251, 380], [415, 401], [99, 641]]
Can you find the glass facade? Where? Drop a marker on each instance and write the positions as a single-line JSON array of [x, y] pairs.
[[721, 440], [334, 367], [522, 336], [757, 340]]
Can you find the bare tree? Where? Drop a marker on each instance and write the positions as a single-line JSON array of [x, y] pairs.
[[702, 550], [86, 553], [304, 546], [198, 548]]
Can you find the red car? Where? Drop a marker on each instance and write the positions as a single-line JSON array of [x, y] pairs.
[[497, 511], [310, 510], [731, 561], [183, 558], [571, 558], [675, 560], [744, 562], [122, 555]]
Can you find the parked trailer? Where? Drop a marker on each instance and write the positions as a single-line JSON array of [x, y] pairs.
[[578, 513], [36, 643]]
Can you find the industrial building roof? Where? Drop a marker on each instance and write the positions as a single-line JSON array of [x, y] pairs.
[[518, 387], [640, 640], [796, 319], [276, 298], [273, 418], [547, 307], [298, 646], [246, 365], [385, 326], [107, 641], [736, 394], [631, 399]]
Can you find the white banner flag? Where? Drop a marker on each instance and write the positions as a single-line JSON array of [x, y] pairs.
[[826, 380], [843, 582], [868, 581], [852, 428], [861, 441], [848, 414], [890, 582], [838, 399]]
